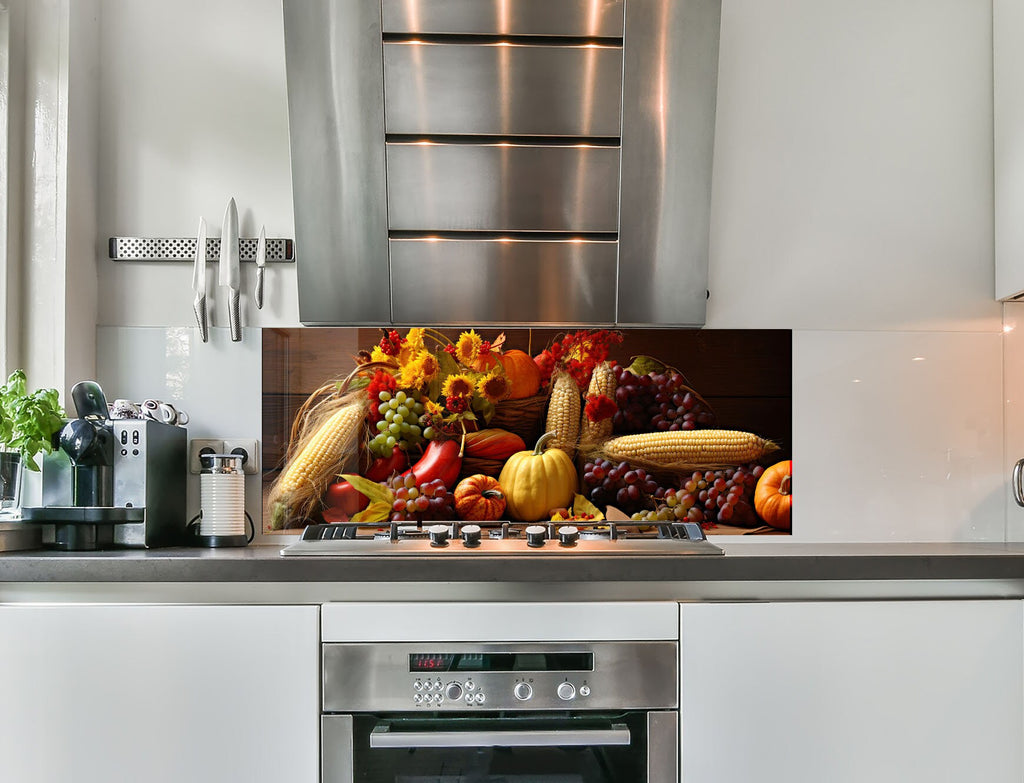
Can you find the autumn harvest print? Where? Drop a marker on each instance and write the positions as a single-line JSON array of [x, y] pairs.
[[428, 425]]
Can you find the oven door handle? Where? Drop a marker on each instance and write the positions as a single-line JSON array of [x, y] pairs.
[[383, 737]]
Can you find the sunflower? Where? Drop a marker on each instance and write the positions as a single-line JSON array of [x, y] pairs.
[[493, 386], [467, 349], [460, 385], [378, 355]]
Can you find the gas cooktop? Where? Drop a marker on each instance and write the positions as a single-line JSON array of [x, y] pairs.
[[502, 538]]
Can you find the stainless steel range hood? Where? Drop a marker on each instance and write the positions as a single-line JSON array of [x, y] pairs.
[[502, 161]]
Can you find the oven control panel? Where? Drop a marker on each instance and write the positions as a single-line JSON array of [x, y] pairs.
[[520, 676]]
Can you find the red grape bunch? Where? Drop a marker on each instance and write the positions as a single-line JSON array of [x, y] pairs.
[[430, 500], [657, 401], [628, 489]]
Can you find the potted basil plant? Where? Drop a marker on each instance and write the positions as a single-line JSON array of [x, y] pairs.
[[28, 423]]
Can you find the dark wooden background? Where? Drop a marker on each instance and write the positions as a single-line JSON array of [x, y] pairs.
[[745, 374]]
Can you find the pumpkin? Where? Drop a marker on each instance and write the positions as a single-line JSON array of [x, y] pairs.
[[773, 495], [493, 443], [522, 373], [479, 498], [536, 481]]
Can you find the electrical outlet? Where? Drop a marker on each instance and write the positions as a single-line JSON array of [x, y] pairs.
[[248, 448], [198, 446]]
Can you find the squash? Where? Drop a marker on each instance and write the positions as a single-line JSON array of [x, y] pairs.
[[536, 481], [773, 495], [493, 443], [522, 373], [479, 498]]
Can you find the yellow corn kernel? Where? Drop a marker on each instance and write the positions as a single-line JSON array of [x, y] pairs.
[[564, 413], [326, 451], [602, 384], [688, 448]]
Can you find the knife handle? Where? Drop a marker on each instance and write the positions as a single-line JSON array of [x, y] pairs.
[[199, 305], [235, 317], [258, 293]]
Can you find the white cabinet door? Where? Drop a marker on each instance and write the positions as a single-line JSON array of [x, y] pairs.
[[1008, 131], [882, 692], [161, 694]]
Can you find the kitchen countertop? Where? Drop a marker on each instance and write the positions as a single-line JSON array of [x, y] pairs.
[[758, 570]]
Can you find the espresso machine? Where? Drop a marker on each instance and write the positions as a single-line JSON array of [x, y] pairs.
[[112, 483]]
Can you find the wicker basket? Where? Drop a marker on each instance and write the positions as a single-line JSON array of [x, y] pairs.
[[525, 417], [473, 465]]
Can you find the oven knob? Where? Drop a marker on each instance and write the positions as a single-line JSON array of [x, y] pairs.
[[568, 535], [417, 685], [535, 535], [522, 691], [566, 691], [584, 690], [417, 699], [453, 692], [471, 535], [479, 698], [438, 535], [470, 685]]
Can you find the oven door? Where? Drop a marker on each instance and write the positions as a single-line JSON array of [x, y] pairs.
[[629, 747]]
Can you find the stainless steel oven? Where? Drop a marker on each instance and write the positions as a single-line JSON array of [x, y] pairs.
[[518, 712]]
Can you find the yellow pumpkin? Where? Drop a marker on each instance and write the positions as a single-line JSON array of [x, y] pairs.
[[537, 481]]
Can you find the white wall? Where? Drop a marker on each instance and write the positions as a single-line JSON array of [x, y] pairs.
[[852, 203]]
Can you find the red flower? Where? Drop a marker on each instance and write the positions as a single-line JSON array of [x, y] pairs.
[[599, 407], [382, 381], [457, 404], [450, 349], [391, 343]]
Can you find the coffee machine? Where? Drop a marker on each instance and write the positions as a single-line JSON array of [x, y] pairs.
[[117, 482]]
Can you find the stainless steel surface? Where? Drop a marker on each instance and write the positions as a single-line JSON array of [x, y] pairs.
[[592, 18], [502, 187], [336, 131], [662, 747], [261, 262], [668, 109], [336, 747], [221, 463], [1018, 488], [505, 281], [168, 249], [376, 677], [18, 536], [228, 268], [199, 282], [502, 89], [512, 547], [383, 737]]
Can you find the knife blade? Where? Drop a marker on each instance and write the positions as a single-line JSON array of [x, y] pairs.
[[199, 282], [261, 262], [229, 274]]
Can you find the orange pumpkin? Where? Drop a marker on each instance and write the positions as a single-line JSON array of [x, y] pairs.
[[493, 443], [773, 495], [522, 373], [479, 498]]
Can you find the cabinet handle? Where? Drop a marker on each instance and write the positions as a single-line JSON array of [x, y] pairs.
[[1018, 488], [382, 737]]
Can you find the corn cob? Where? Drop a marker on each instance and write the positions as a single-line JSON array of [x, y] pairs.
[[564, 413], [602, 384], [325, 452], [687, 448]]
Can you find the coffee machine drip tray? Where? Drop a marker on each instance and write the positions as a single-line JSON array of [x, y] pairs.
[[78, 528]]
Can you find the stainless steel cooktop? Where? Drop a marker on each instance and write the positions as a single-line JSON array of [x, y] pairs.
[[548, 539]]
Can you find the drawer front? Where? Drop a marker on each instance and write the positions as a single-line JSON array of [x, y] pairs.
[[503, 281], [592, 18], [502, 89], [502, 187]]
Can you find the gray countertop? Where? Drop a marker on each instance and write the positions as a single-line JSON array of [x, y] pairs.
[[999, 565]]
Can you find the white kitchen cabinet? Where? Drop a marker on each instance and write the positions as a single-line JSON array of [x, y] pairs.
[[851, 692], [1008, 149], [159, 693]]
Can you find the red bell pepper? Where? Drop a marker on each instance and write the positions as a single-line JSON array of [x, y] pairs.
[[383, 468], [441, 460]]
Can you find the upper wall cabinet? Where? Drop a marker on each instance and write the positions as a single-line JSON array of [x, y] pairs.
[[1008, 123], [487, 162]]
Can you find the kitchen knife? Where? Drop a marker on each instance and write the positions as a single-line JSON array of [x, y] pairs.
[[229, 276], [199, 282], [261, 261]]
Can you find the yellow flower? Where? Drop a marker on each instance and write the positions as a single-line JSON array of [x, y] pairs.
[[460, 385], [467, 349], [493, 386], [431, 367], [433, 408], [377, 355], [414, 339]]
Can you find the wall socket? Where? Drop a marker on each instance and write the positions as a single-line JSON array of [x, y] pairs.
[[249, 447]]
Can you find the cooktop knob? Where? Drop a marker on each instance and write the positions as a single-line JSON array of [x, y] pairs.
[[523, 691], [535, 535], [568, 535], [566, 691], [453, 691], [438, 535], [471, 535]]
